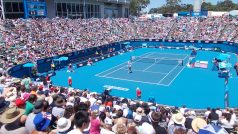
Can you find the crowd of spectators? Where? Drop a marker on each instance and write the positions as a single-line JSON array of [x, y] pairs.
[[34, 39], [38, 107], [185, 29], [29, 107], [29, 40]]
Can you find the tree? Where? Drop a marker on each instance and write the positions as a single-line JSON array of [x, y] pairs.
[[226, 5], [172, 3], [143, 3], [153, 10], [207, 6], [136, 6], [133, 7]]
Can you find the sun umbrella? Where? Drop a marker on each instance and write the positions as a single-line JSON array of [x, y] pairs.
[[225, 65], [223, 57], [127, 46], [63, 58], [126, 43], [29, 64], [212, 129], [192, 47], [234, 13]]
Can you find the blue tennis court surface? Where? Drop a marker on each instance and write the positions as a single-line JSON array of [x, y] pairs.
[[147, 70], [170, 84]]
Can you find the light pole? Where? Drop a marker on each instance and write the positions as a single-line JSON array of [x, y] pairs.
[[84, 9], [2, 11]]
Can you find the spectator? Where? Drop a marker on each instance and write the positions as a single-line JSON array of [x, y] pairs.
[[213, 117], [30, 104], [154, 118], [81, 121], [12, 123], [63, 126], [38, 107], [197, 124], [177, 122]]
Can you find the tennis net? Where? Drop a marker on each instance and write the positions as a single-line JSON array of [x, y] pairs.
[[166, 61]]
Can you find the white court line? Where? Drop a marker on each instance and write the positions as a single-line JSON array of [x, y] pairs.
[[171, 54], [149, 67], [147, 71], [134, 81], [169, 73], [115, 88], [185, 57], [120, 65], [178, 73]]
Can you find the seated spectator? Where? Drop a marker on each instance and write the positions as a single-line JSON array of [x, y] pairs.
[[213, 117], [43, 119], [12, 123], [227, 122], [29, 124], [63, 126], [81, 121], [154, 117], [197, 124], [95, 122], [177, 122], [30, 104]]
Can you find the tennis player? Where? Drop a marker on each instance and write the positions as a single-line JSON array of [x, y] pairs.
[[129, 65]]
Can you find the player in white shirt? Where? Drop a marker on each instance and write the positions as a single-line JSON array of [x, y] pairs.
[[129, 64]]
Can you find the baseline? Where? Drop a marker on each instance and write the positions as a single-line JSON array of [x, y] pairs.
[[151, 83]]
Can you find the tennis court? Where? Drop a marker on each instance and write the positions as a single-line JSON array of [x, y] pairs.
[[169, 83], [150, 68]]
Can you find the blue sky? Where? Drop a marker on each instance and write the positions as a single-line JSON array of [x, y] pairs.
[[158, 3]]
